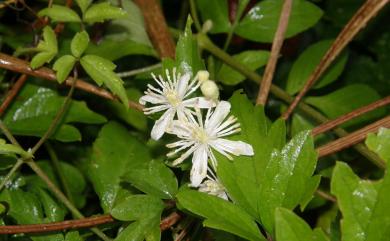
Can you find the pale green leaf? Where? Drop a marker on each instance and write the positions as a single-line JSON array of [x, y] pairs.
[[253, 59], [261, 22], [12, 149], [308, 61], [59, 13], [63, 66], [83, 4], [47, 48], [220, 214], [73, 236], [380, 143], [100, 12], [79, 44]]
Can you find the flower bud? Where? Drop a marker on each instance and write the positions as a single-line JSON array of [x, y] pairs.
[[203, 75], [207, 26], [210, 90]]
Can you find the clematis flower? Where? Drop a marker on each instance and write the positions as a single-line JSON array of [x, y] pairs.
[[172, 96], [198, 138], [213, 187]]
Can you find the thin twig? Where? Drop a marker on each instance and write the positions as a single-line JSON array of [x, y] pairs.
[[308, 111], [166, 223], [357, 22], [351, 115], [194, 15], [275, 50], [325, 195], [157, 28], [12, 93], [21, 66], [139, 71], [353, 138]]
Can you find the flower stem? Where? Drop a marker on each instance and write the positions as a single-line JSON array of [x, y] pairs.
[[139, 71]]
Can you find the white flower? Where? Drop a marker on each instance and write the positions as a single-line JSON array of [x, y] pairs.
[[213, 187], [171, 97], [199, 138]]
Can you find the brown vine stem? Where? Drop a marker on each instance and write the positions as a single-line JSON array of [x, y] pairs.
[[277, 43], [21, 66], [358, 21], [353, 138], [157, 28], [166, 223], [344, 118], [12, 93]]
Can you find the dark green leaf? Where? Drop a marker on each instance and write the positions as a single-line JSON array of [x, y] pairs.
[[79, 44], [346, 100], [53, 211], [220, 214], [364, 205], [12, 149], [140, 230], [100, 12], [262, 20], [307, 62], [253, 59], [115, 152], [83, 4], [153, 178], [59, 13], [63, 66], [380, 143], [290, 227], [136, 207], [187, 53], [35, 107], [216, 11], [101, 71]]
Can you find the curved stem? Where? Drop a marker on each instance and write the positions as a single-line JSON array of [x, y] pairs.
[[194, 15], [139, 71]]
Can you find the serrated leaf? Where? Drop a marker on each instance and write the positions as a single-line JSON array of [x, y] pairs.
[[347, 99], [253, 59], [114, 153], [380, 143], [35, 107], [220, 214], [100, 12], [308, 61], [290, 227], [261, 21], [40, 59], [216, 11], [12, 149], [101, 71], [47, 48], [59, 13], [79, 43], [137, 207], [363, 203], [187, 53], [83, 4], [63, 66], [153, 178]]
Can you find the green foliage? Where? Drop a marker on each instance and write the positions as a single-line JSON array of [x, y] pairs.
[[12, 149], [59, 13], [79, 44], [101, 12], [63, 66], [380, 143], [216, 11], [47, 48], [83, 4]]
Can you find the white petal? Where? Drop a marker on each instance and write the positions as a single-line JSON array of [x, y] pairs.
[[161, 124], [199, 166], [234, 147], [179, 129], [182, 85], [219, 114], [151, 99], [199, 102]]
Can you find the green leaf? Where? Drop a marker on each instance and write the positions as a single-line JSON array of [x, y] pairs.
[[243, 176], [187, 53], [83, 4], [380, 143], [145, 229], [47, 48], [73, 235], [53, 211], [114, 153], [311, 187], [101, 71], [79, 43], [136, 207], [253, 59], [220, 214], [153, 178], [35, 107], [308, 61], [12, 149], [59, 13], [216, 11], [262, 20], [290, 227], [100, 12], [63, 66], [364, 205], [347, 99]]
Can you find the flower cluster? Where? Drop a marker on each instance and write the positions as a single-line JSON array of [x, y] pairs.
[[198, 135]]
